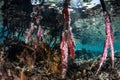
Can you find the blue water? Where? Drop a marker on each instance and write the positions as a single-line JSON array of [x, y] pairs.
[[98, 47]]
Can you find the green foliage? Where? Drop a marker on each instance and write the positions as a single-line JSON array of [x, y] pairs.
[[52, 0], [86, 0]]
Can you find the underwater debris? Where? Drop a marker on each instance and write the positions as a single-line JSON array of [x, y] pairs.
[[47, 65]]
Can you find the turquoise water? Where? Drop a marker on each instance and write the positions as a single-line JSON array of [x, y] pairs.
[[96, 46], [89, 33]]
